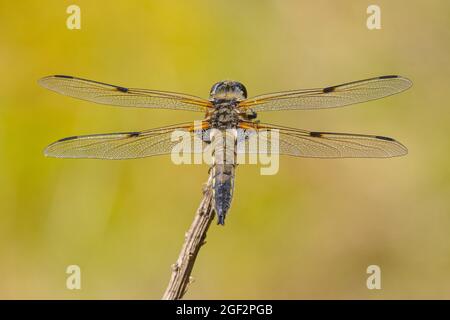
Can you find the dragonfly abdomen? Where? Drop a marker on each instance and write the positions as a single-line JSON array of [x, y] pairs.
[[223, 184], [222, 170]]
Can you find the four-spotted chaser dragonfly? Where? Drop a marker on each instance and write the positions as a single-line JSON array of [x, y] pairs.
[[227, 108]]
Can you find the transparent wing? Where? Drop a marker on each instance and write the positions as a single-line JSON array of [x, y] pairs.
[[127, 145], [330, 97], [120, 96], [303, 143]]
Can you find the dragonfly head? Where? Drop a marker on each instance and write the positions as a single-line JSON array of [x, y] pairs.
[[228, 90]]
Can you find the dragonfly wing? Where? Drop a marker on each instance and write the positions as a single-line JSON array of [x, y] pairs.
[[330, 97], [127, 145], [120, 96], [303, 143]]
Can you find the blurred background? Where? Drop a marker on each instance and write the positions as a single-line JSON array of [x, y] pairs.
[[308, 232]]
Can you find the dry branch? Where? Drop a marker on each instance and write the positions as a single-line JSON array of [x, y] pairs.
[[194, 239]]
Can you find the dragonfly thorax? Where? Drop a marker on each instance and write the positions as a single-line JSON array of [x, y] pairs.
[[225, 96], [224, 116]]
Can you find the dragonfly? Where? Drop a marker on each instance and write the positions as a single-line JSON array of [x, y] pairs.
[[227, 110]]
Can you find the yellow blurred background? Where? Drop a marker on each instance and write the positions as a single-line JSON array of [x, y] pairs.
[[308, 232]]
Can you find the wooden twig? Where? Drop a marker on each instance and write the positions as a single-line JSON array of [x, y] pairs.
[[194, 239]]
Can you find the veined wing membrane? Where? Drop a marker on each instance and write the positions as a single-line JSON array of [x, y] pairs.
[[125, 145], [330, 97], [303, 143], [120, 96]]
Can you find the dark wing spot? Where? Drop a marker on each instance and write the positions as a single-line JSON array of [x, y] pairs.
[[68, 138], [328, 89], [63, 76], [387, 77], [122, 89], [315, 134], [384, 138], [134, 134]]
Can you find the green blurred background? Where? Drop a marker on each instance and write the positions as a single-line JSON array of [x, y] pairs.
[[308, 232]]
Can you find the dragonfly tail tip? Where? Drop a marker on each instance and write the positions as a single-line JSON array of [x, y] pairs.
[[221, 220]]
